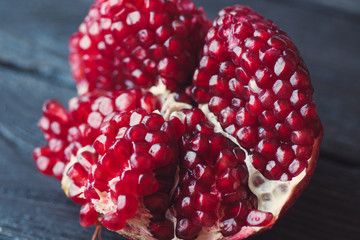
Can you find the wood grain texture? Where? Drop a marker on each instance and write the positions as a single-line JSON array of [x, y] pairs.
[[33, 68]]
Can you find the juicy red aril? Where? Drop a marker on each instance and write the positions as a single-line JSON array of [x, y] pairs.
[[185, 229], [162, 230], [78, 174], [126, 206], [45, 164], [75, 194], [204, 219], [147, 184], [206, 201], [55, 111], [88, 215], [141, 162], [157, 203], [110, 166], [86, 159], [185, 206], [258, 218], [113, 221], [230, 227], [235, 210], [203, 174], [136, 133], [126, 185], [229, 181]]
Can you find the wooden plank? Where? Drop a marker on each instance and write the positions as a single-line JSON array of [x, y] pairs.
[[348, 6], [22, 96], [33, 68], [48, 23]]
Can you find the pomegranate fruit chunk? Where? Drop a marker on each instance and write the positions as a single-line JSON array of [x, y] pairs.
[[140, 157], [130, 43], [259, 92], [146, 162], [67, 131]]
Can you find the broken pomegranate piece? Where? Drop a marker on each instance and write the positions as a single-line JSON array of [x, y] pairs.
[[138, 163], [66, 131], [128, 43], [254, 82]]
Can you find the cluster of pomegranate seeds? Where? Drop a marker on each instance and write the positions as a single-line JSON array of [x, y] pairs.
[[213, 184], [138, 155], [126, 43], [67, 131], [255, 82]]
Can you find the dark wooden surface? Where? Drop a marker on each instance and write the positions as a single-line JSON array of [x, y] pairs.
[[33, 68]]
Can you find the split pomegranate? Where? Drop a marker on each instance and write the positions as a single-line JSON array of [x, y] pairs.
[[147, 162]]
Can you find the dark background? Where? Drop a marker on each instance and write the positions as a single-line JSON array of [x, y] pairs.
[[33, 68]]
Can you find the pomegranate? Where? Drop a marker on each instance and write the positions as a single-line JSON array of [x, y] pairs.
[[149, 162]]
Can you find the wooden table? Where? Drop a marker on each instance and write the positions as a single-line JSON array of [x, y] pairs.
[[33, 68]]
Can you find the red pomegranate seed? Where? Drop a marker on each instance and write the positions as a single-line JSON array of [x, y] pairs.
[[229, 181], [225, 160], [113, 221], [126, 206], [126, 185], [206, 201], [235, 210], [204, 218], [147, 184], [157, 203], [185, 206], [230, 227], [88, 215], [162, 230], [204, 174], [75, 194], [185, 229], [259, 218], [86, 159], [55, 111], [78, 174]]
